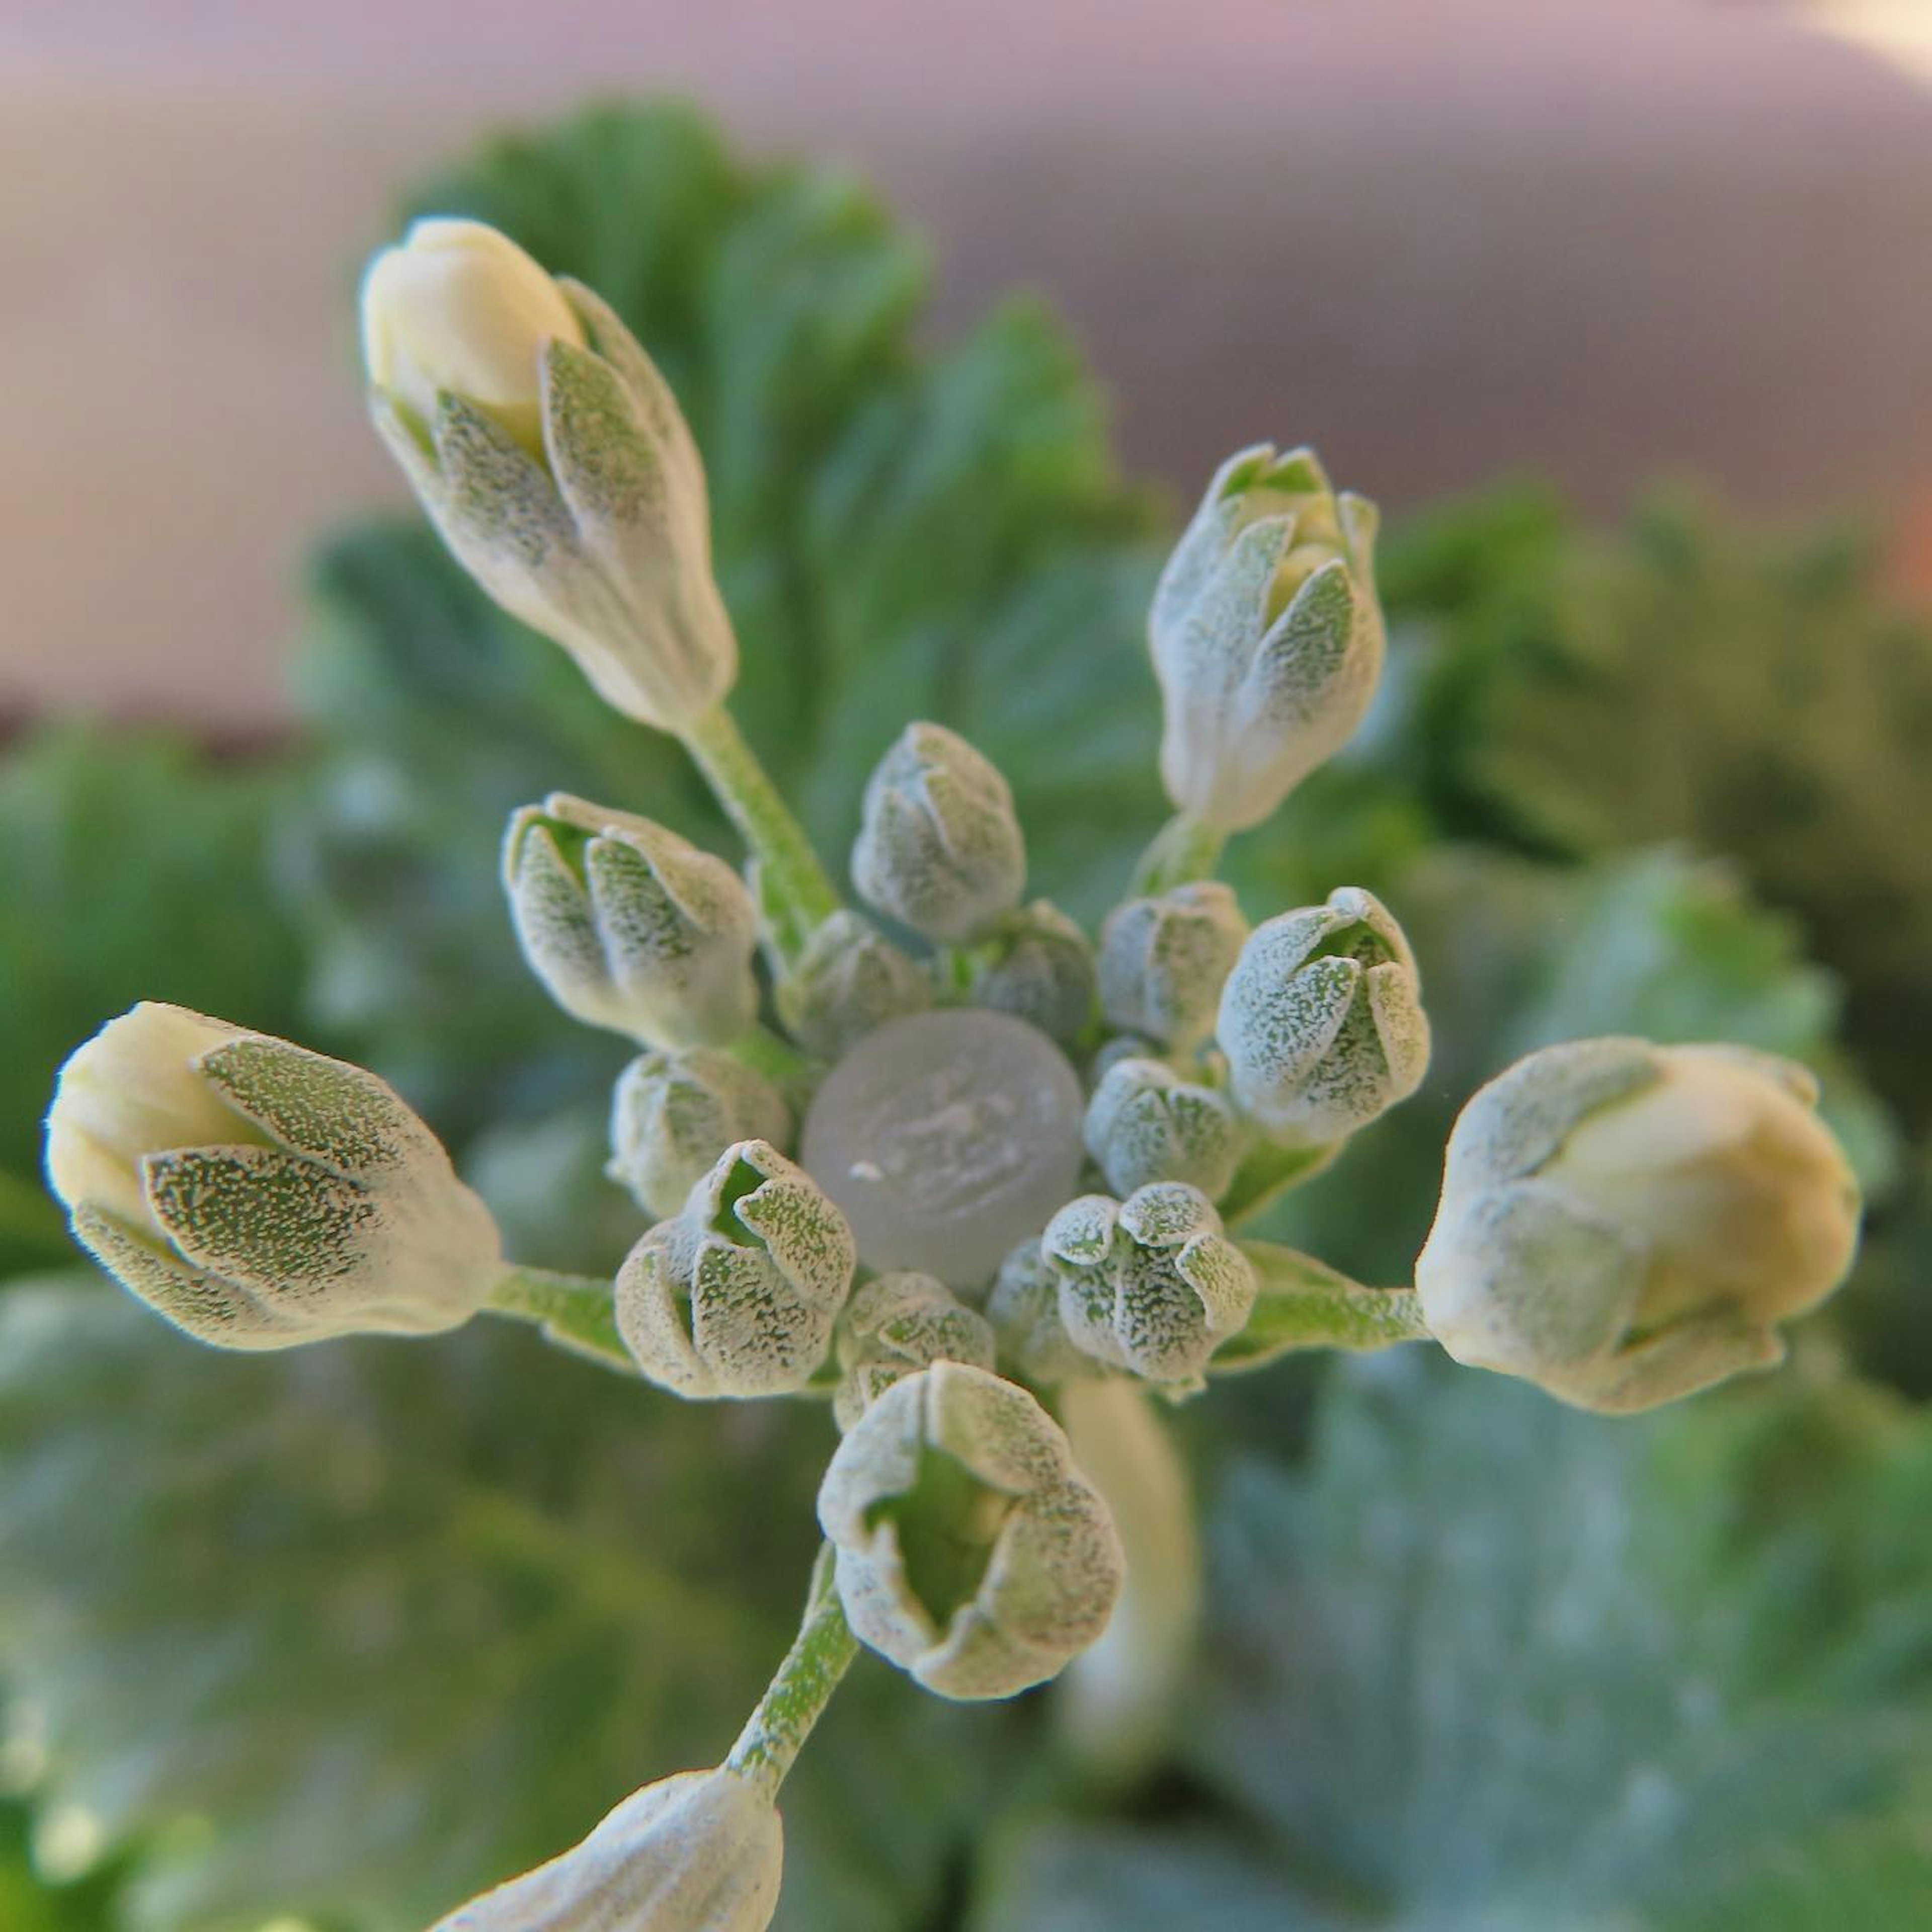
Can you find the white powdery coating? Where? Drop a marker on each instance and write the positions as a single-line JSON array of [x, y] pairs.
[[1163, 962], [940, 847], [1266, 636], [946, 1137], [1053, 1565], [628, 926], [258, 1195], [738, 1295], [1150, 1285], [1042, 971], [672, 1115], [896, 1324], [1321, 1020], [1625, 1223], [700, 1852], [851, 979], [1146, 1124]]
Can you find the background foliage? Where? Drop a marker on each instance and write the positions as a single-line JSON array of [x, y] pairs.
[[345, 1633]]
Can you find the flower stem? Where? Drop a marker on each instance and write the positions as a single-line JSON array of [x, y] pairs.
[[1304, 1303], [775, 1731], [797, 891], [574, 1311], [1182, 851], [1266, 1172]]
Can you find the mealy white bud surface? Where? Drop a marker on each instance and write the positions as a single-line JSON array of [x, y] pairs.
[[1625, 1223], [1321, 1020], [1164, 961], [850, 980], [896, 1324], [258, 1195], [738, 1294], [1024, 1308], [629, 927], [940, 847], [672, 1115], [1038, 967], [1147, 1123], [970, 1551], [553, 460], [700, 1852], [1266, 634], [1150, 1284]]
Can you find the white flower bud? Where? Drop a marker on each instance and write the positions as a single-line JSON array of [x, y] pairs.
[[1150, 1284], [739, 1294], [893, 1327], [630, 928], [1321, 1020], [1267, 636], [701, 1851], [1145, 1122], [1039, 968], [970, 1550], [672, 1115], [258, 1195], [850, 980], [1024, 1308], [1625, 1223], [554, 461], [940, 849], [1164, 961]]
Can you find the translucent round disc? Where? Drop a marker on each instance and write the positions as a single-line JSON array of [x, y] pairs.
[[947, 1138]]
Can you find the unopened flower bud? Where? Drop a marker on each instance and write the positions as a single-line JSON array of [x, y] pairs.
[[1038, 967], [1321, 1020], [940, 849], [1150, 1284], [554, 461], [970, 1550], [850, 980], [672, 1115], [1024, 1308], [896, 1325], [630, 928], [1267, 636], [1164, 961], [701, 1851], [258, 1195], [737, 1295], [1625, 1223], [1145, 1122]]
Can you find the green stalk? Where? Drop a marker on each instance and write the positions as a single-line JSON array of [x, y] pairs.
[[1182, 851], [775, 1731], [574, 1311], [796, 890]]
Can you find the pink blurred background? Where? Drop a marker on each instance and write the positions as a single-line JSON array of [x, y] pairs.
[[1445, 240]]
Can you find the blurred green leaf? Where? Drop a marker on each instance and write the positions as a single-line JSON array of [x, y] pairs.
[[1756, 694], [348, 1633], [136, 869], [1489, 1663]]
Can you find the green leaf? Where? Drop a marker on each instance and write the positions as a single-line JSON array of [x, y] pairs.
[[348, 1633], [136, 868], [1549, 1670]]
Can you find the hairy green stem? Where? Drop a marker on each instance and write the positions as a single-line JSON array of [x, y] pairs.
[[1266, 1172], [1304, 1303], [764, 1051], [574, 1311], [797, 891], [1182, 851], [775, 1731]]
